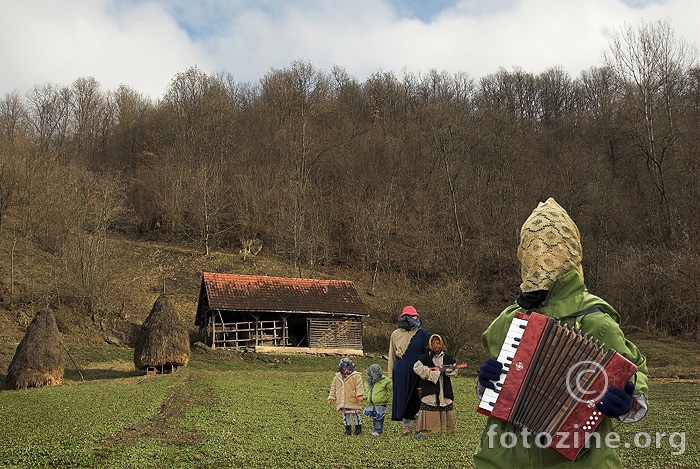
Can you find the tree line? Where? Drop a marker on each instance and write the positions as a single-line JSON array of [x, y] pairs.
[[427, 176]]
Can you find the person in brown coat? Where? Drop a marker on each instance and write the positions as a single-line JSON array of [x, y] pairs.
[[347, 391]]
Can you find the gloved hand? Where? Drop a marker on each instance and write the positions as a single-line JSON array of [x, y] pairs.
[[489, 372], [617, 401]]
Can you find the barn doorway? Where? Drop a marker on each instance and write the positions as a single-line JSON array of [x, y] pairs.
[[298, 331]]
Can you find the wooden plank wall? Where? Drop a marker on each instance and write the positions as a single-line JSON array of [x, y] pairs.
[[335, 333]]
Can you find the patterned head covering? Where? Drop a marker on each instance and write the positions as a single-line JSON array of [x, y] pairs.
[[346, 363], [550, 245]]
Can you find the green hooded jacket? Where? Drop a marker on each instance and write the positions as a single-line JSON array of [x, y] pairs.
[[568, 295], [381, 392]]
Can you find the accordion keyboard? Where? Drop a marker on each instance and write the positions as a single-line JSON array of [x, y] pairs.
[[505, 356]]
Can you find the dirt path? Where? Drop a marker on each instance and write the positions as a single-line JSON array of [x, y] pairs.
[[166, 423]]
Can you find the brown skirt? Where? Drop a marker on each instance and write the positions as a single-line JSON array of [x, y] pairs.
[[435, 419]]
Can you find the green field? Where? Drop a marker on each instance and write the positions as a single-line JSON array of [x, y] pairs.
[[230, 409]]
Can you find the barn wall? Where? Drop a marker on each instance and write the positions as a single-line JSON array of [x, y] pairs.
[[243, 330], [335, 333]]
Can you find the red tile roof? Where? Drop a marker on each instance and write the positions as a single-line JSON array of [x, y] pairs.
[[234, 292]]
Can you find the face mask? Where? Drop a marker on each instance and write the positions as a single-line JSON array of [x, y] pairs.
[[414, 321]]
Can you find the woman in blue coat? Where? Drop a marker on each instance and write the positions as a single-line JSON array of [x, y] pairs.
[[408, 342]]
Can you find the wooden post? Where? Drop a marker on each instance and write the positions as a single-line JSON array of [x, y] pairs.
[[213, 331], [285, 331]]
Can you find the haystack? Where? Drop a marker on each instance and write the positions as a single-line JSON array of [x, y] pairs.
[[164, 342], [39, 359]]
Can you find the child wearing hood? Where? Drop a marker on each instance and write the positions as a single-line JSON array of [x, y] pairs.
[[347, 390], [435, 368], [378, 388]]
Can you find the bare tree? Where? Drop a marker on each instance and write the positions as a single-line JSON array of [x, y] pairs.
[[598, 104], [450, 311], [128, 135], [47, 108], [649, 64], [91, 121], [13, 118], [448, 132], [13, 150], [85, 250], [185, 180]]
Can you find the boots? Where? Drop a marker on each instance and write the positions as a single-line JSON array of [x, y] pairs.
[[348, 430], [358, 429]]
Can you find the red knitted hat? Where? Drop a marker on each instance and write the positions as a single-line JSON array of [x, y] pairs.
[[409, 311]]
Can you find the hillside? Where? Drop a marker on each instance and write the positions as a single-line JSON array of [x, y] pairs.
[[139, 271]]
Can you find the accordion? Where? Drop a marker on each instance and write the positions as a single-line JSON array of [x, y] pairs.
[[553, 376]]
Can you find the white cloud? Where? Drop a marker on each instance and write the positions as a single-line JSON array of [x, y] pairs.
[[144, 43], [138, 45], [531, 34]]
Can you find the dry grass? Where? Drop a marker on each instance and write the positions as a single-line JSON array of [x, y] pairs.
[[141, 271]]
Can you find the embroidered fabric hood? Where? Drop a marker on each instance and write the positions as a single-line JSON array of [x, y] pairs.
[[550, 246]]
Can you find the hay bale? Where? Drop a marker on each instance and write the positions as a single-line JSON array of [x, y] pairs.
[[163, 342], [39, 360]]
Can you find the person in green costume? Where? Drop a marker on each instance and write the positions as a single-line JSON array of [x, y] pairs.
[[552, 284]]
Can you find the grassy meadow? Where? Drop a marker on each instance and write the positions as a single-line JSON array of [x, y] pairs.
[[234, 409]]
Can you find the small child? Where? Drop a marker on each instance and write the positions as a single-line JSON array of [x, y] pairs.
[[378, 388], [347, 389]]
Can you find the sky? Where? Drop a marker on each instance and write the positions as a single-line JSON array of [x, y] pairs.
[[144, 44]]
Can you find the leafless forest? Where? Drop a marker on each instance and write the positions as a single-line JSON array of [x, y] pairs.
[[426, 176]]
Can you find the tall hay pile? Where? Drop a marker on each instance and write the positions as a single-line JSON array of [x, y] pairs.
[[39, 359], [163, 342]]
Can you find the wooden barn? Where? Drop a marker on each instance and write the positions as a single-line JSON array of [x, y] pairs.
[[280, 315]]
